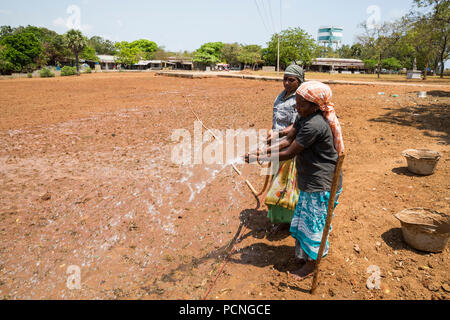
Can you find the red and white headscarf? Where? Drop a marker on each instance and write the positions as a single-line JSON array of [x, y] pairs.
[[321, 94]]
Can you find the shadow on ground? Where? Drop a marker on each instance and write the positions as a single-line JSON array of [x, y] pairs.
[[429, 118], [253, 223], [439, 93], [394, 239], [403, 171]]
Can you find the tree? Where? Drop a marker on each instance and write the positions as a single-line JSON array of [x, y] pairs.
[[378, 40], [5, 31], [251, 55], [327, 52], [208, 54], [230, 53], [351, 52], [370, 64], [127, 54], [54, 49], [88, 54], [147, 47], [391, 64], [76, 42], [296, 45], [19, 52], [102, 46], [436, 31]]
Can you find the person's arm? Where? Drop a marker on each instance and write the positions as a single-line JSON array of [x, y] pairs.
[[287, 154], [290, 133], [274, 134]]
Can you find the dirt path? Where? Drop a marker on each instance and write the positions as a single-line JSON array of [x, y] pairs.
[[86, 180]]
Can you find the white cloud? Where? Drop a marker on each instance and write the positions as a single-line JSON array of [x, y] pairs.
[[120, 23], [73, 21], [5, 12]]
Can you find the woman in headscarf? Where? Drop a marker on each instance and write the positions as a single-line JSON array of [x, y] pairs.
[[316, 141], [284, 116], [284, 113]]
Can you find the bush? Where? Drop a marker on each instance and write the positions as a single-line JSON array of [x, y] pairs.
[[68, 71], [46, 73], [88, 70], [29, 75]]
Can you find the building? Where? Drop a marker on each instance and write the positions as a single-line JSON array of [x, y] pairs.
[[150, 65], [107, 62], [337, 65], [180, 63], [330, 35]]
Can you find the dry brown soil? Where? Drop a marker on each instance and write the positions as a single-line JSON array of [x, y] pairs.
[[86, 179]]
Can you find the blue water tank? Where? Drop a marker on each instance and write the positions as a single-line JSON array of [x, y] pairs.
[[330, 35]]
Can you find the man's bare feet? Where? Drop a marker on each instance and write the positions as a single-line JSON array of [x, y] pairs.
[[304, 272]]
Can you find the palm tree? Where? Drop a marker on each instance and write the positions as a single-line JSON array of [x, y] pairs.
[[76, 42]]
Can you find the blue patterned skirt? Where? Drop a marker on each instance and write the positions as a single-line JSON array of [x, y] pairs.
[[309, 221]]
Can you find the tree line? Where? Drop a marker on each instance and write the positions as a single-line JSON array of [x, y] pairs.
[[419, 38]]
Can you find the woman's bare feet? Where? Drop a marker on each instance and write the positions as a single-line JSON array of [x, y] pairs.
[[304, 272]]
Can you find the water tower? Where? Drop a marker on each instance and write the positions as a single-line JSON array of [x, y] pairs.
[[330, 35]]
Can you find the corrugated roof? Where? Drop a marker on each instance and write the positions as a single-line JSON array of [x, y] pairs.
[[338, 62], [106, 58]]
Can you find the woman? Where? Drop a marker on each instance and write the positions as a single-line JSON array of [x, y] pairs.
[[284, 113], [284, 116], [316, 141]]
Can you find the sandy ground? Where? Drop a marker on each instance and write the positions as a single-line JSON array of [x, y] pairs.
[[86, 180]]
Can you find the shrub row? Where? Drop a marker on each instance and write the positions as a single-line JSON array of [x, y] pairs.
[[68, 71], [46, 73]]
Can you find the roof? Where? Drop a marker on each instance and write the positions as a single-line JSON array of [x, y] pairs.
[[182, 60], [147, 62], [106, 58], [338, 62]]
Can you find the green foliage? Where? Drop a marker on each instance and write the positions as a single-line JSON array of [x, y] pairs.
[[29, 75], [88, 70], [46, 73], [76, 42], [209, 53], [19, 52], [53, 45], [147, 48], [127, 54], [250, 55], [391, 64], [68, 71], [296, 45], [5, 31], [88, 54], [130, 53], [230, 53], [325, 52], [102, 46], [434, 28], [370, 64], [356, 51]]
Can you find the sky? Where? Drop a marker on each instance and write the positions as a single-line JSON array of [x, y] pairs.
[[186, 25]]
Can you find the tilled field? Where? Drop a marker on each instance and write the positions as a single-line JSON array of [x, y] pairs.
[[87, 180]]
